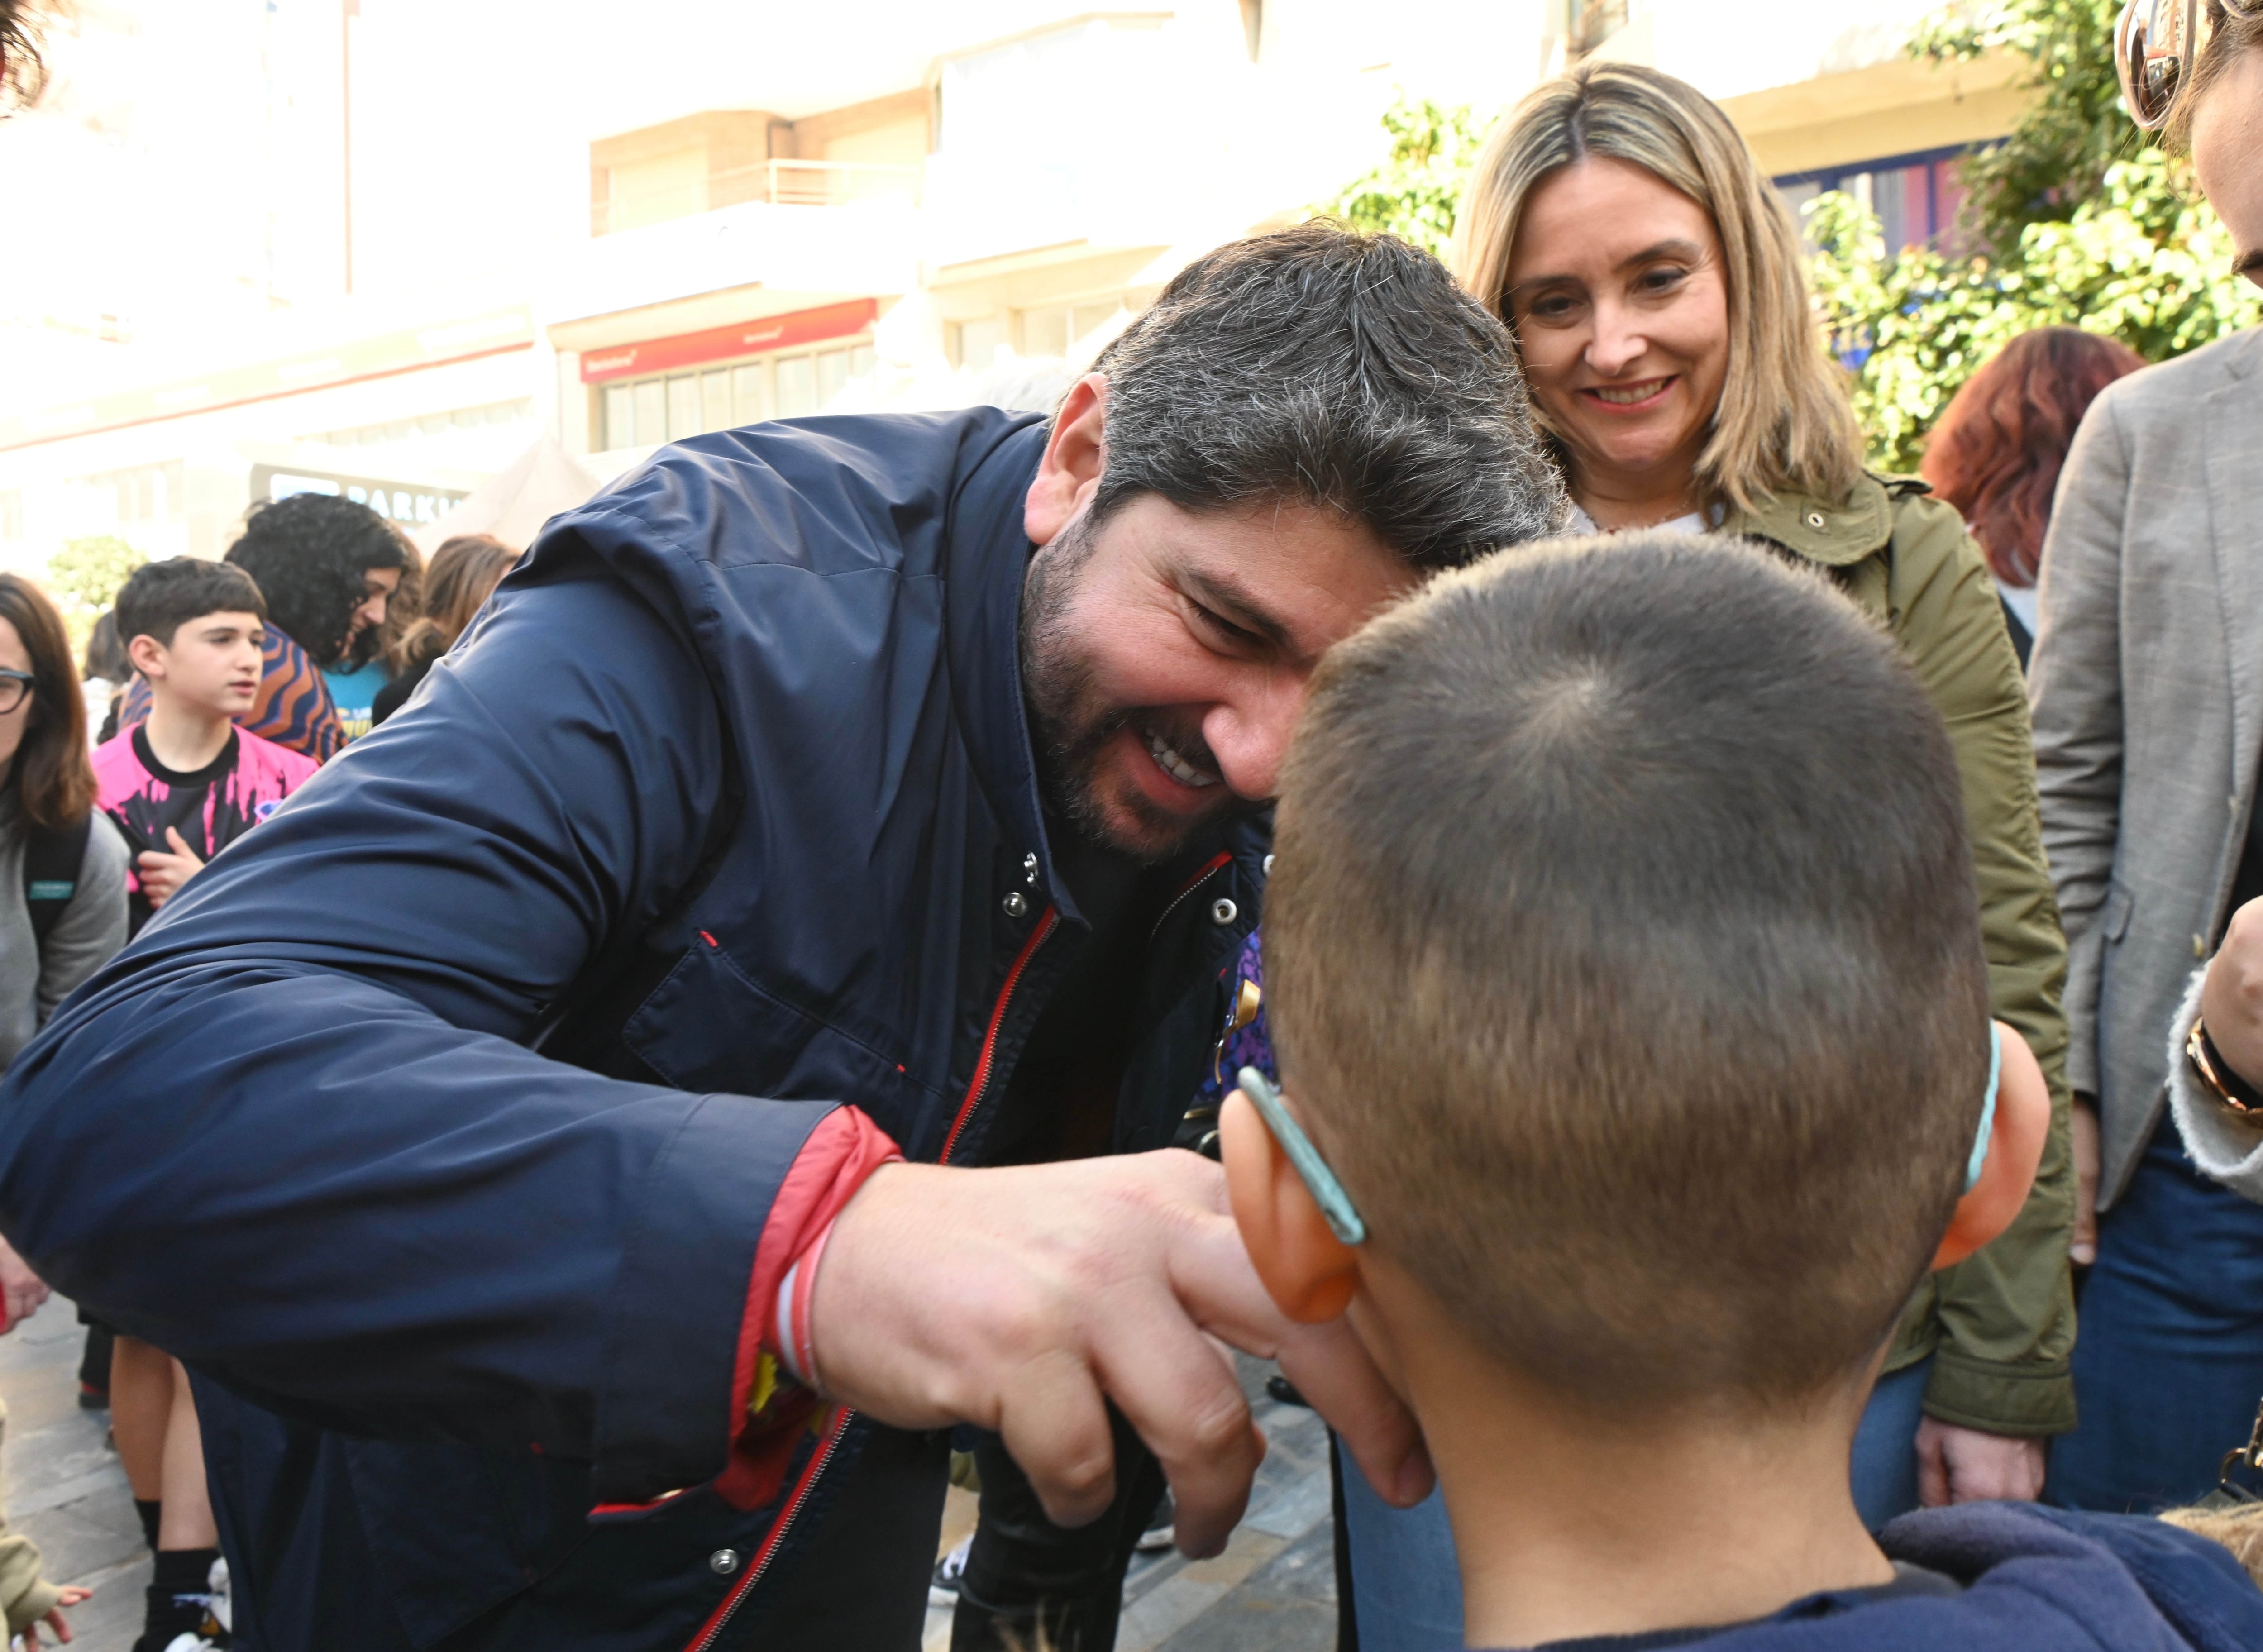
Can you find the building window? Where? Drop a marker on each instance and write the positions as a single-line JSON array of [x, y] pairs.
[[463, 418], [1916, 197], [1049, 329], [115, 499], [668, 408], [975, 344]]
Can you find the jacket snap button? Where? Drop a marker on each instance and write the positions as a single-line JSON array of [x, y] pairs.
[[1029, 870], [1016, 905], [723, 1562], [1223, 911], [1269, 865], [1815, 518]]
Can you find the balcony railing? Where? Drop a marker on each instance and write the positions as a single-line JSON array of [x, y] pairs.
[[780, 182]]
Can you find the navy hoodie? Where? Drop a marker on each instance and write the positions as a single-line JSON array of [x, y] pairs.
[[2036, 1580]]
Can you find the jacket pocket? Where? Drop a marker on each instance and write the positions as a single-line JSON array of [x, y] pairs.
[[710, 1026]]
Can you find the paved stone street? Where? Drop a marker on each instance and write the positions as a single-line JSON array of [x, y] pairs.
[[64, 1488], [1272, 1590]]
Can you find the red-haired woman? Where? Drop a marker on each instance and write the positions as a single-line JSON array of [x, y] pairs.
[[1995, 454]]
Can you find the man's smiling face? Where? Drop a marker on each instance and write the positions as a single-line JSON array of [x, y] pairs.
[[1166, 656]]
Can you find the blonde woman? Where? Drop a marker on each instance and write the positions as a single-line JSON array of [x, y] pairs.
[[1653, 280]]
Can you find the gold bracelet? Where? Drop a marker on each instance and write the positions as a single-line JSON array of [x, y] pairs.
[[2231, 1093]]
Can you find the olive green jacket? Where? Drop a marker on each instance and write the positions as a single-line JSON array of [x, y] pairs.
[[2000, 1326]]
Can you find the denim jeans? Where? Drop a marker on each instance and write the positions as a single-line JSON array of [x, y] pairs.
[[1407, 1591], [1884, 1468], [2168, 1366]]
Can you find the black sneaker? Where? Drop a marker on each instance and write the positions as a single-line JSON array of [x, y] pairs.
[[943, 1584], [1285, 1391], [1158, 1534]]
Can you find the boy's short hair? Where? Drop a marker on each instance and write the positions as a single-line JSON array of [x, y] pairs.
[[161, 597], [1624, 955]]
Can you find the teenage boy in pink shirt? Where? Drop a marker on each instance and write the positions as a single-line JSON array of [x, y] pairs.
[[188, 782], [181, 786]]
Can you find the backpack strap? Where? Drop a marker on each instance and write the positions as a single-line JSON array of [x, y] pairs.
[[52, 858]]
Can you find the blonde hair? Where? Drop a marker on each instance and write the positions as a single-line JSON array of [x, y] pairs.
[[1784, 423], [2238, 1529]]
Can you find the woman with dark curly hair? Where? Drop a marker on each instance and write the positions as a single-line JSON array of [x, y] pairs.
[[1996, 453], [329, 569]]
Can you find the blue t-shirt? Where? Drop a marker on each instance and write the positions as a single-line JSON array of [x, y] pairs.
[[354, 691]]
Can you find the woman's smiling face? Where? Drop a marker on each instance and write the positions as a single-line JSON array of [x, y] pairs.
[[1621, 308]]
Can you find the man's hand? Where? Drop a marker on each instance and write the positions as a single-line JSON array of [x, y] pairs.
[[1964, 1465], [1018, 1299], [2082, 1243], [71, 1597], [163, 874], [2231, 996], [21, 1289]]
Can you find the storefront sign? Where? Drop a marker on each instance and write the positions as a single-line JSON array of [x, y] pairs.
[[412, 504], [720, 343]]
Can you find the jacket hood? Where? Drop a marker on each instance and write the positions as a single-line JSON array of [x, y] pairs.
[[2036, 1580]]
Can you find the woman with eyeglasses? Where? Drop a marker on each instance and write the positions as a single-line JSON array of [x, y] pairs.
[[2148, 674], [62, 914], [62, 865], [1653, 280]]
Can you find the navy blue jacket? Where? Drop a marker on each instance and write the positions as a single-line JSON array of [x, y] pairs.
[[436, 1124], [2036, 1580]]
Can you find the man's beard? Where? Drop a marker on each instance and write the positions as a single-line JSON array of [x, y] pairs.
[[1070, 725]]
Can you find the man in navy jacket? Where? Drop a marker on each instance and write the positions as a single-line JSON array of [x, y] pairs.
[[826, 809]]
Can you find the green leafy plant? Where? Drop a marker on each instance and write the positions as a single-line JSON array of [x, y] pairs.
[[83, 577], [2079, 221], [2143, 260], [1416, 191]]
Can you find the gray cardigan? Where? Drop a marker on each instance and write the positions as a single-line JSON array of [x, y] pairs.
[[34, 981], [2147, 688]]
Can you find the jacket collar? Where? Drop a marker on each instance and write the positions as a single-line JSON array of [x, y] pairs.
[[986, 558], [1835, 535]]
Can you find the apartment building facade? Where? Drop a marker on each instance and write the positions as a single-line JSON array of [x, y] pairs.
[[917, 244]]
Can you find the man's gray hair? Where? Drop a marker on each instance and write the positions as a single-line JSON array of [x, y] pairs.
[[1337, 370]]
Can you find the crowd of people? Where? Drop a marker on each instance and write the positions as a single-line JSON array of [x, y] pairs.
[[1742, 1105], [202, 707]]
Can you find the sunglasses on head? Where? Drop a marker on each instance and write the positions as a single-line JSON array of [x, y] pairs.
[[2156, 44]]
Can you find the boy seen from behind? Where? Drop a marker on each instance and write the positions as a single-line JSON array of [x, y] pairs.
[[181, 786], [1623, 962]]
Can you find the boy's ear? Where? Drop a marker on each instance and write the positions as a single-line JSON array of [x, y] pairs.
[[1069, 472], [1309, 1272], [147, 654], [2015, 1147]]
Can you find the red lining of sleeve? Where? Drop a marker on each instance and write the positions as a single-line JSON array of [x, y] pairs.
[[845, 1148]]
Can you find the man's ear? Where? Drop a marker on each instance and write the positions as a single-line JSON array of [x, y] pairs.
[[1309, 1272], [2015, 1147], [1069, 473], [147, 654]]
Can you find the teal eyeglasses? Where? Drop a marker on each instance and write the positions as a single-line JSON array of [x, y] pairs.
[[1343, 1217]]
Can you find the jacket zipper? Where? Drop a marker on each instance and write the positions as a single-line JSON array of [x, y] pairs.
[[1219, 863], [980, 1082], [761, 1564]]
